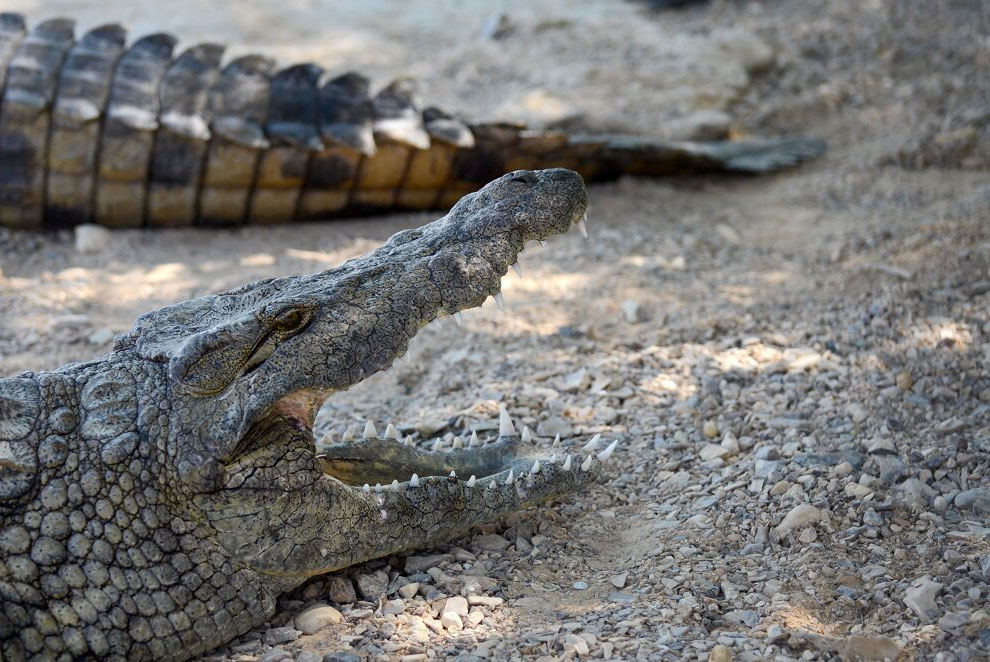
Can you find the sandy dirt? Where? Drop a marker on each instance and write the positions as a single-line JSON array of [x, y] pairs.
[[816, 337]]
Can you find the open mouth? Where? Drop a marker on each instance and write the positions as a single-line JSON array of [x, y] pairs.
[[374, 463], [369, 494]]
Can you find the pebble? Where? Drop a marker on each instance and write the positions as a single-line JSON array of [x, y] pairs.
[[456, 605], [977, 499], [92, 238], [720, 653], [275, 655], [409, 590], [424, 563], [370, 586], [799, 516], [491, 542], [632, 311], [341, 656], [920, 598], [746, 617], [340, 590], [317, 617], [904, 381], [857, 412], [954, 619], [580, 586], [396, 606], [712, 451], [866, 648], [857, 491], [710, 430], [451, 621], [619, 581], [282, 635]]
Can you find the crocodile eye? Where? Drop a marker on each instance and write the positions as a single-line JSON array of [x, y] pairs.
[[290, 320]]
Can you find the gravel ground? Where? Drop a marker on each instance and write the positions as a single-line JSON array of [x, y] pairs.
[[797, 367]]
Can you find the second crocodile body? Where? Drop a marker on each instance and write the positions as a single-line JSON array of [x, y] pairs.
[[92, 130]]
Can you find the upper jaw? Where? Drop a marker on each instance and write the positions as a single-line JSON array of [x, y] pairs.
[[367, 310], [384, 298]]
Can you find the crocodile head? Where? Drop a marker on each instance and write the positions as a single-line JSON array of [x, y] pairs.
[[248, 370]]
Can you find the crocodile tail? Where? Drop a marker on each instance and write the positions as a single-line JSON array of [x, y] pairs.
[[504, 147], [93, 131], [652, 158]]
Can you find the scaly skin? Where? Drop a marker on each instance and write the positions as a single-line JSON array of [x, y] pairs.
[[91, 131], [155, 502]]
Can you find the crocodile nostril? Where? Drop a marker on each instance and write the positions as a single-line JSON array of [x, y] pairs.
[[524, 176]]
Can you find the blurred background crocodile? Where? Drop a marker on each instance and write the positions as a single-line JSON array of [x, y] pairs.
[[94, 131]]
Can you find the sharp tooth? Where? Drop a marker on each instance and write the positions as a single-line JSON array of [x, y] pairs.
[[458, 443], [567, 464], [436, 445], [586, 464], [366, 489], [378, 488], [458, 318], [607, 453], [409, 441], [517, 268], [394, 486], [543, 244], [505, 428], [511, 477], [414, 481], [328, 439], [474, 439], [471, 481], [553, 457], [536, 468], [348, 435], [492, 485], [369, 431], [392, 433], [499, 301], [452, 474], [582, 225], [593, 444], [527, 436]]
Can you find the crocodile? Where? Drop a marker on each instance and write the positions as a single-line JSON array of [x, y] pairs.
[[94, 131], [156, 501]]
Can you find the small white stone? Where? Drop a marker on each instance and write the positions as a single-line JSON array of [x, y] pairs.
[[451, 621], [456, 605], [712, 451], [799, 517], [92, 238], [317, 617], [396, 606], [857, 412]]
